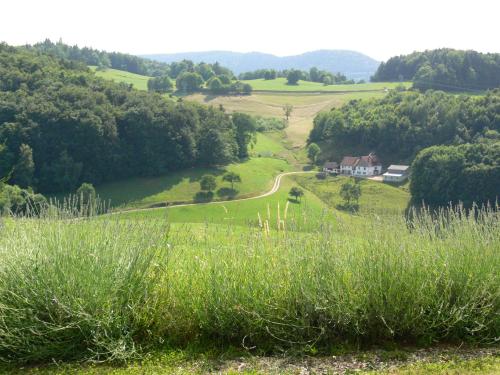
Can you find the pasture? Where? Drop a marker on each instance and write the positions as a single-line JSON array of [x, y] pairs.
[[376, 197], [321, 199], [241, 213], [306, 107], [257, 177], [280, 84], [138, 81]]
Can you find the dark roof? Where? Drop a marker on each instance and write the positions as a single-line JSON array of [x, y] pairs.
[[363, 161], [350, 161], [331, 165], [369, 160]]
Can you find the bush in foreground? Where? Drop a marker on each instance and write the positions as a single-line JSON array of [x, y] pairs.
[[110, 288]]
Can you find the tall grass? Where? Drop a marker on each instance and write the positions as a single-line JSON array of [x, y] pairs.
[[110, 288]]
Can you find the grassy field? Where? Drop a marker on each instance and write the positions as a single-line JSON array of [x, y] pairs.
[[114, 289], [257, 176], [139, 82], [306, 107], [238, 213], [376, 197], [280, 84], [321, 196]]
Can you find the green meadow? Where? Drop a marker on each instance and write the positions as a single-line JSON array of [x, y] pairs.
[[376, 197], [138, 81], [257, 176], [242, 213], [280, 84]]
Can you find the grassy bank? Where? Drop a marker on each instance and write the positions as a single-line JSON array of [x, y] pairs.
[[115, 288]]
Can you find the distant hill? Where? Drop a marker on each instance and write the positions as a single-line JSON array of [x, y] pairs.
[[353, 64]]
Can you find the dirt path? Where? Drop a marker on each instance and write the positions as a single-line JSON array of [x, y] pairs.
[[274, 189]]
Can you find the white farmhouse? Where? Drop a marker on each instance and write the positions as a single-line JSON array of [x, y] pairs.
[[361, 166]]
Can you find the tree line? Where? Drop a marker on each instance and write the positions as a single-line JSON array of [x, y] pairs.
[[401, 124], [60, 125], [294, 75], [467, 174], [188, 76], [443, 69]]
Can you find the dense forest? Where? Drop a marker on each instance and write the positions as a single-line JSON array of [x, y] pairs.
[[443, 69], [452, 174], [60, 126]]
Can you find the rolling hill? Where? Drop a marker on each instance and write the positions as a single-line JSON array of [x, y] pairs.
[[353, 64]]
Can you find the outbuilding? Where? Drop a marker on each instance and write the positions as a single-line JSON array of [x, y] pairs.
[[396, 173]]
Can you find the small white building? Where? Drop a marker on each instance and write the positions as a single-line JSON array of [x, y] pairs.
[[396, 173], [361, 166]]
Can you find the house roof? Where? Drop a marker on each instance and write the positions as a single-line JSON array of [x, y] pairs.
[[370, 160], [331, 165], [399, 168], [361, 161], [350, 161], [393, 174]]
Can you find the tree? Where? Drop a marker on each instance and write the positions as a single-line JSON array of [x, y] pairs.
[[232, 178], [225, 79], [296, 192], [208, 183], [24, 168], [312, 152], [314, 74], [215, 85], [86, 198], [327, 80], [293, 76], [86, 192], [246, 89], [160, 84], [270, 74], [189, 82], [287, 110], [245, 132], [350, 191]]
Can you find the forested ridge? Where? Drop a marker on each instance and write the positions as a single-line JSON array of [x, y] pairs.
[[443, 69], [402, 124], [188, 76], [60, 126], [126, 62]]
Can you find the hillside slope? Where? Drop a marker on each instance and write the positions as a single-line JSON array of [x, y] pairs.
[[353, 64]]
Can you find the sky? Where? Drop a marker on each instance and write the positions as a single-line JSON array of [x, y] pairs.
[[378, 28]]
